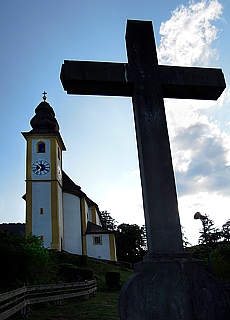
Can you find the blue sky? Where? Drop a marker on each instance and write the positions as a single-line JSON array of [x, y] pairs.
[[101, 156]]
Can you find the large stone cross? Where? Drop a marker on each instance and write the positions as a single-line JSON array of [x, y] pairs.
[[148, 83]]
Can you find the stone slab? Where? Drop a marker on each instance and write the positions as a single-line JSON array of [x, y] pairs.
[[175, 289]]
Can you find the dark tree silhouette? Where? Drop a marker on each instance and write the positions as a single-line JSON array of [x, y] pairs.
[[107, 221], [131, 242], [213, 234], [225, 232]]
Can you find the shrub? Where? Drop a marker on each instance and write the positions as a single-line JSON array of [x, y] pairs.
[[68, 272], [77, 260], [124, 264], [71, 273], [220, 260], [86, 273], [62, 256], [25, 260], [83, 260], [112, 279]]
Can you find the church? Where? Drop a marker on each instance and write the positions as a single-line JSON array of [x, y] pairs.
[[57, 210]]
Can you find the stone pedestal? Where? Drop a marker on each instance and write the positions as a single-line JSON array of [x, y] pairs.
[[172, 286]]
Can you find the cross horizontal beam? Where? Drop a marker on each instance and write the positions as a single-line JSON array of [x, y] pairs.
[[111, 79]]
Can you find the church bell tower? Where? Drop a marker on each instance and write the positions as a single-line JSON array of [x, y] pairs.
[[44, 203]]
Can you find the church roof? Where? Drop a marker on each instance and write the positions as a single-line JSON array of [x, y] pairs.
[[44, 120], [94, 228], [70, 186]]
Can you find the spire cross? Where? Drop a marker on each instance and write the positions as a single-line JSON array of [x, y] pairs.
[[44, 95]]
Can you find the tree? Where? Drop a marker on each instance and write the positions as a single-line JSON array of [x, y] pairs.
[[25, 260], [185, 241], [41, 266], [225, 232], [107, 221], [209, 233], [130, 238], [216, 254], [130, 242], [220, 258]]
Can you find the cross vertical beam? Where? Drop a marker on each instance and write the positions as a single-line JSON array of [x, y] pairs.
[[157, 177]]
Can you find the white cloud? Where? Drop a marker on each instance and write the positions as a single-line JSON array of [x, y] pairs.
[[128, 208], [206, 168], [187, 38], [224, 98], [200, 149]]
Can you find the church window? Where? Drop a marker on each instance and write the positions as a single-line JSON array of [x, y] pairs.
[[41, 147], [59, 154], [97, 240], [41, 211]]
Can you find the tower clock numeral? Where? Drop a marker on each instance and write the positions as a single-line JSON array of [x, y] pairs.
[[41, 167]]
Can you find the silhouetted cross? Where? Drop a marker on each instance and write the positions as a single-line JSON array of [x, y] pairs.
[[148, 83], [44, 95]]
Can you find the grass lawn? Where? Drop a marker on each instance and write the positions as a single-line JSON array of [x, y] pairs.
[[103, 306]]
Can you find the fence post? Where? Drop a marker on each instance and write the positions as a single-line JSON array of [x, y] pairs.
[[59, 302], [86, 296], [25, 310]]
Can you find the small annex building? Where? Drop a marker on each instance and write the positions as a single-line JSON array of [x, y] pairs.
[[57, 210]]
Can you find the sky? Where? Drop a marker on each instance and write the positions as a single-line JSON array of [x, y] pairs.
[[98, 132]]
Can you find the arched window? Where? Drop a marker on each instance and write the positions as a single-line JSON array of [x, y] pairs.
[[41, 147]]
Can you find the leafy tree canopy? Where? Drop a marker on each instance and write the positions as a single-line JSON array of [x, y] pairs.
[[218, 246], [131, 242], [225, 232], [107, 221], [25, 260], [209, 233], [130, 238]]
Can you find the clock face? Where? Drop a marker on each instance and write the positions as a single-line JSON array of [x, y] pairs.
[[41, 167]]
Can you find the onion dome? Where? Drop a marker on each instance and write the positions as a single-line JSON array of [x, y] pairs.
[[44, 119]]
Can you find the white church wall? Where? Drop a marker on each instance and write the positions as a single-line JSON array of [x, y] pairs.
[[89, 214], [72, 224], [98, 221], [99, 251], [85, 214], [41, 221]]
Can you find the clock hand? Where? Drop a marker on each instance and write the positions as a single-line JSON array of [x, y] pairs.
[[39, 166]]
